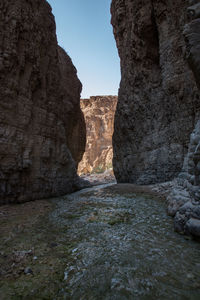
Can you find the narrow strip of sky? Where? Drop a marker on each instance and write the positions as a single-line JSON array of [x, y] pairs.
[[85, 32]]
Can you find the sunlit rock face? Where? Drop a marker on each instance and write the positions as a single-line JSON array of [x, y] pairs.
[[99, 117], [42, 130], [158, 97]]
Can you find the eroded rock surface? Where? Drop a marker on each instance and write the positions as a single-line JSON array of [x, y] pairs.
[[185, 206], [42, 136], [99, 114], [158, 96]]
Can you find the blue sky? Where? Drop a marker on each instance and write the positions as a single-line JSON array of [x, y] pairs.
[[84, 31]]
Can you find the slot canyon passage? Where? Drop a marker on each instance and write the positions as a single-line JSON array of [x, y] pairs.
[[64, 236]]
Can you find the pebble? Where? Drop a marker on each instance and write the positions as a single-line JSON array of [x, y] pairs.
[[28, 271], [190, 276], [52, 245]]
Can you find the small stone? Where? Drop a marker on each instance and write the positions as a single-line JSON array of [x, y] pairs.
[[74, 250], [198, 166], [53, 245], [190, 276], [192, 179], [193, 227], [65, 275], [69, 272], [28, 270]]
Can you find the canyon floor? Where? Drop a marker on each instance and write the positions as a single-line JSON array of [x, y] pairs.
[[112, 241]]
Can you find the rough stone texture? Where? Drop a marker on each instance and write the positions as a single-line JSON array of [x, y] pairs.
[[187, 209], [40, 118], [193, 227], [99, 117], [158, 96], [192, 37], [184, 199]]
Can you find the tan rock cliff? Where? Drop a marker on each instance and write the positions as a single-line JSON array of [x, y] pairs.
[[99, 117], [42, 131]]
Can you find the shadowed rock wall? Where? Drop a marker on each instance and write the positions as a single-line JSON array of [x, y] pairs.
[[158, 96], [99, 114], [184, 200], [40, 118]]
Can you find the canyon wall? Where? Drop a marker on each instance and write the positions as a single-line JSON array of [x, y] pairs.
[[184, 200], [42, 129], [99, 114], [158, 101]]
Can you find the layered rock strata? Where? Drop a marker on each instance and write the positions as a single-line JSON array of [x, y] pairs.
[[42, 130], [158, 97], [99, 114], [185, 205]]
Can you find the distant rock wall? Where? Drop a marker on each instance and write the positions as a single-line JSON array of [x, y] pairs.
[[158, 98], [99, 114], [42, 130]]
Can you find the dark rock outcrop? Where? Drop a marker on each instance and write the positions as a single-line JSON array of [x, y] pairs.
[[185, 206], [99, 114], [42, 130], [158, 97]]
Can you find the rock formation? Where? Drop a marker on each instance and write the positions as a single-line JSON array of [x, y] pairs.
[[42, 130], [184, 200], [99, 117], [158, 97]]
